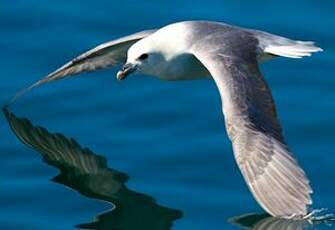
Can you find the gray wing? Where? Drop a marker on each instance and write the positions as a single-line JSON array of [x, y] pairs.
[[268, 167], [105, 55]]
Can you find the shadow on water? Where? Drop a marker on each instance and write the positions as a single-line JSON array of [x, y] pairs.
[[88, 173]]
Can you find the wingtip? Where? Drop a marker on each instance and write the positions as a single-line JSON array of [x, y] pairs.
[[23, 92]]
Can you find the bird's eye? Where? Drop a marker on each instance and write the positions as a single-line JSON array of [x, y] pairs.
[[143, 57]]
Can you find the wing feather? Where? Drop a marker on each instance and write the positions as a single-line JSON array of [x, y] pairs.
[[272, 174], [105, 55]]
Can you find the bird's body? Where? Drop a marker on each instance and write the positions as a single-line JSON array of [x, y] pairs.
[[230, 55], [175, 59]]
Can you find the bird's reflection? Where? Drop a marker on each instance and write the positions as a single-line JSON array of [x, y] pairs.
[[88, 173], [267, 222]]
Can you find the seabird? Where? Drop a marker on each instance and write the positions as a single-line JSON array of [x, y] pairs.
[[230, 56]]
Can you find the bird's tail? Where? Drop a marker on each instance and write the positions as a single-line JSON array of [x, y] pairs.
[[281, 46]]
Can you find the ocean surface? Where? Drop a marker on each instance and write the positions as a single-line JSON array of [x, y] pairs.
[[141, 153]]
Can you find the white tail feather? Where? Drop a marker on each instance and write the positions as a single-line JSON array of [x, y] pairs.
[[296, 49]]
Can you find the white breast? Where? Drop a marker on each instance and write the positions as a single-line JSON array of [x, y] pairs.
[[171, 41], [182, 67]]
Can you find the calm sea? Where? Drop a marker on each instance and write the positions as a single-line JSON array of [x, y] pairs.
[[157, 150]]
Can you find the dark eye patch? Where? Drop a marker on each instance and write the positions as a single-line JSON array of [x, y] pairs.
[[143, 56]]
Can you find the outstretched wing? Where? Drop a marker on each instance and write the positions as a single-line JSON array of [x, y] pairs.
[[105, 55], [271, 172]]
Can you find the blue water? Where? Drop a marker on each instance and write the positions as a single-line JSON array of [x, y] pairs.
[[168, 162]]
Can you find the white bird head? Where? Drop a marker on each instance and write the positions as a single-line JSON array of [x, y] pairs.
[[143, 57], [154, 54]]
